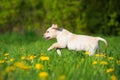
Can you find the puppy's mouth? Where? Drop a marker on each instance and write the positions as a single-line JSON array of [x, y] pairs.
[[47, 38]]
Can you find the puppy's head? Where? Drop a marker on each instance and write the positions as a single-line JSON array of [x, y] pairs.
[[51, 32]]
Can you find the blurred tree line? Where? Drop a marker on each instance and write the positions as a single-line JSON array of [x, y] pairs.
[[78, 16]]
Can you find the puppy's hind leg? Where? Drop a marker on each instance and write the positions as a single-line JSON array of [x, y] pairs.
[[92, 52], [98, 48], [59, 52]]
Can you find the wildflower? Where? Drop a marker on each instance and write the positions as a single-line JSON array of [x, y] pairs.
[[43, 75], [6, 54], [9, 69], [109, 70], [94, 62], [118, 62], [6, 57], [12, 59], [97, 55], [110, 58], [87, 53], [34, 56], [104, 63], [22, 58], [31, 57], [82, 59], [44, 58], [38, 66], [113, 77], [2, 61], [21, 65], [62, 77], [103, 55]]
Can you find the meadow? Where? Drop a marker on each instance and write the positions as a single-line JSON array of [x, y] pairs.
[[25, 57]]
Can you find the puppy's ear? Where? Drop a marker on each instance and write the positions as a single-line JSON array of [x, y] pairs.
[[54, 26], [57, 28]]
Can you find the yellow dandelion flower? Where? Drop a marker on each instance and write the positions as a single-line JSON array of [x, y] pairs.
[[97, 55], [9, 69], [104, 63], [113, 77], [6, 57], [38, 66], [6, 54], [43, 75], [31, 57], [110, 58], [34, 56], [44, 58], [103, 55], [94, 62], [82, 59], [62, 77], [109, 70], [23, 58], [21, 65], [87, 53], [12, 59], [118, 62], [2, 61]]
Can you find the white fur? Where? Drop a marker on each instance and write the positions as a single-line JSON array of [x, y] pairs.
[[66, 39]]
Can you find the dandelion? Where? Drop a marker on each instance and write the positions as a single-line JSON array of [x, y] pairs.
[[2, 61], [104, 63], [62, 77], [6, 54], [87, 53], [110, 58], [97, 55], [109, 70], [43, 75], [38, 66], [118, 62], [23, 58], [12, 59], [34, 56], [94, 62], [44, 58], [21, 65], [113, 77], [9, 69], [103, 55], [31, 57]]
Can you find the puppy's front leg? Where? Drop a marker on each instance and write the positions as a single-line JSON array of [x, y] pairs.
[[53, 46]]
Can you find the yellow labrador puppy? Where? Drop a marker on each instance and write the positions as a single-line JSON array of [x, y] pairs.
[[66, 39]]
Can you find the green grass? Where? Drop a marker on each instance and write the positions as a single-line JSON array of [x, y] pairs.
[[71, 65]]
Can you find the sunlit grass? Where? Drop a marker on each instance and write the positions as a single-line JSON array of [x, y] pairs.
[[23, 58]]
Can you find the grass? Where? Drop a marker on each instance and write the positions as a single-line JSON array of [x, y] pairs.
[[25, 57]]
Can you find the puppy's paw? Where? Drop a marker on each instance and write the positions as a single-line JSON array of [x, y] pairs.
[[48, 49]]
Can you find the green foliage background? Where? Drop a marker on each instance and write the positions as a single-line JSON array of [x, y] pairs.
[[78, 16]]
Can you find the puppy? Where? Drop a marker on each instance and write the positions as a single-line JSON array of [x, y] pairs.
[[66, 39]]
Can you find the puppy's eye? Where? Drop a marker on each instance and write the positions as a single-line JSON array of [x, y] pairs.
[[47, 32]]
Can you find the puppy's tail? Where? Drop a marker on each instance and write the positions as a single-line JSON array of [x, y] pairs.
[[101, 39]]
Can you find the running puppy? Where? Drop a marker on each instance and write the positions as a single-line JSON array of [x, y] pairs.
[[66, 39]]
